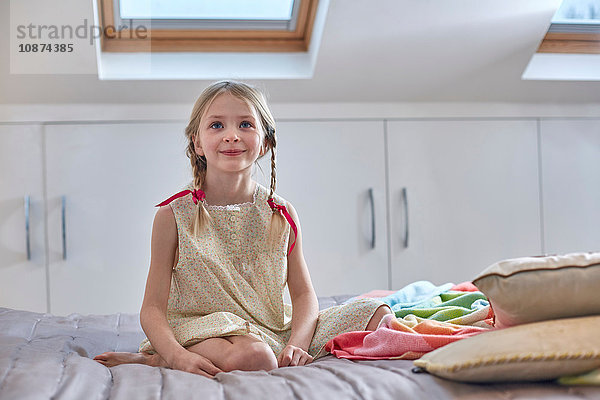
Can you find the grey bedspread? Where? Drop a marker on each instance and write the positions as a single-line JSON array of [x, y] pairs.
[[48, 357]]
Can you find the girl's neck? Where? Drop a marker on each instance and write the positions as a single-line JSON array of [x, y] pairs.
[[224, 190]]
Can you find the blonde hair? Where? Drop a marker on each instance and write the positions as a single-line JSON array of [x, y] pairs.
[[255, 99]]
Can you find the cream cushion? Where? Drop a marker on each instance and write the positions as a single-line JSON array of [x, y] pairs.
[[530, 289], [530, 352]]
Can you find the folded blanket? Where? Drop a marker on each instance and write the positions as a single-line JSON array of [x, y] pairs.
[[399, 338], [459, 304], [465, 287], [426, 317], [462, 308], [409, 295], [414, 294]]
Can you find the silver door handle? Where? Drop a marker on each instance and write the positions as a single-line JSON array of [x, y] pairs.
[[27, 203], [372, 200], [64, 227], [406, 226]]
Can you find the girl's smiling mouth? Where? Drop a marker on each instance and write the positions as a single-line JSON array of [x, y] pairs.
[[232, 152]]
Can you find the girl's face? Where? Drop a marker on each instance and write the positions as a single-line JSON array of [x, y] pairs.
[[230, 135]]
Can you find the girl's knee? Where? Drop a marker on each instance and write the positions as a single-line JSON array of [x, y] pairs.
[[252, 357], [381, 312], [384, 309]]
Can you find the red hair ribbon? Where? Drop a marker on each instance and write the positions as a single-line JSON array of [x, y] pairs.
[[197, 195], [282, 210]]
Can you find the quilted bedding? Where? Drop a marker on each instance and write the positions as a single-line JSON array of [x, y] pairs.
[[49, 357]]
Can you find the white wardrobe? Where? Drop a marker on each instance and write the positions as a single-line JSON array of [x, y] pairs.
[[382, 203]]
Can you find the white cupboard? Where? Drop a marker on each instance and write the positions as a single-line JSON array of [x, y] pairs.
[[333, 173], [22, 250], [570, 152], [111, 176], [463, 195]]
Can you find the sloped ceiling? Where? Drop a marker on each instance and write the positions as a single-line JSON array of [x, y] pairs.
[[371, 51]]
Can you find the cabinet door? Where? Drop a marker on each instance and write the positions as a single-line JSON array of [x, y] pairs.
[[571, 185], [326, 169], [22, 280], [471, 193], [111, 176]]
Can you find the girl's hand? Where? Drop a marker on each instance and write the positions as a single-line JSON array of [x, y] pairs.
[[292, 356], [194, 363]]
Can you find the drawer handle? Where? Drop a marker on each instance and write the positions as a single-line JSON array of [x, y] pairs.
[[27, 204], [372, 201], [64, 227], [406, 226]]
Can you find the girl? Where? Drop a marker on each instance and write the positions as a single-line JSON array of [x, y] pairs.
[[223, 251]]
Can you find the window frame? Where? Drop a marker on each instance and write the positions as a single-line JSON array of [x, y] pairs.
[[207, 40], [568, 42], [572, 36]]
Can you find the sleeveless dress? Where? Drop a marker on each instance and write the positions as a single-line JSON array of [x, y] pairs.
[[231, 280]]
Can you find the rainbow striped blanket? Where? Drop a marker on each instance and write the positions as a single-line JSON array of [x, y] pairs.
[[426, 317]]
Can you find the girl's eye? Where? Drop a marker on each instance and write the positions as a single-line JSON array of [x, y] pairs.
[[245, 124], [216, 125]]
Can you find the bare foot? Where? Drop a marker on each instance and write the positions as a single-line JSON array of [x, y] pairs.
[[111, 358]]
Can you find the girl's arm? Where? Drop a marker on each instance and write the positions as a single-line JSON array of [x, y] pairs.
[[153, 315], [304, 302]]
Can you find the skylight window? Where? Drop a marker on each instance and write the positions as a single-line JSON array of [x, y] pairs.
[[577, 16], [207, 26], [575, 28], [578, 12], [162, 39], [222, 9], [570, 50]]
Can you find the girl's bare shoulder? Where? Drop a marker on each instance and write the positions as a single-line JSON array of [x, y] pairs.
[[165, 212], [164, 222]]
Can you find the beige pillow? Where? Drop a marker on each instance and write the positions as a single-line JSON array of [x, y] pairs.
[[530, 289], [530, 352]]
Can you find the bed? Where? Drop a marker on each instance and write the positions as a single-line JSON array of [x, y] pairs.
[[43, 356]]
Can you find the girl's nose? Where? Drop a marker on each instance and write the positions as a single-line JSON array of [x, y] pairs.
[[231, 136]]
